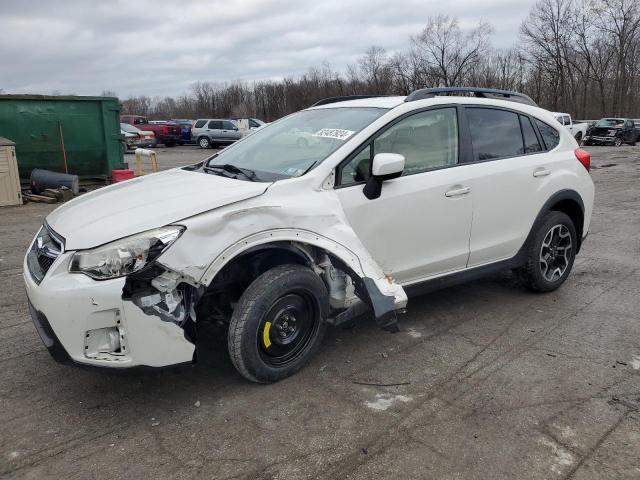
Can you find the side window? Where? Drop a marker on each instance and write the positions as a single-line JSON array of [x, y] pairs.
[[567, 120], [427, 140], [253, 123], [227, 125], [531, 143], [494, 133], [200, 124], [358, 169], [550, 135], [215, 125]]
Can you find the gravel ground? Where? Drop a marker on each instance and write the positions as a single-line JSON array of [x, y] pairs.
[[498, 383]]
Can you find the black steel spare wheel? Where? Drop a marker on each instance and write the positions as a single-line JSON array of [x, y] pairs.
[[277, 325], [287, 328]]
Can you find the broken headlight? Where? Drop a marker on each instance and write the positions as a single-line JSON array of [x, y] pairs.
[[125, 256]]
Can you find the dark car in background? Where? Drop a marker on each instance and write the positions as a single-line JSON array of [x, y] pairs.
[[612, 131], [186, 126]]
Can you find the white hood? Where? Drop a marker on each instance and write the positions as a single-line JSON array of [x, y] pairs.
[[144, 203]]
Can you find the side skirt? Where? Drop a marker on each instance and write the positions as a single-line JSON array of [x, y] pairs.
[[464, 276]]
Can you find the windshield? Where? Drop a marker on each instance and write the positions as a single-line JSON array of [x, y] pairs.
[[291, 146], [129, 128], [610, 122]]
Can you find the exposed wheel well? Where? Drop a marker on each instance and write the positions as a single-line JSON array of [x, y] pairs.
[[575, 213], [233, 279]]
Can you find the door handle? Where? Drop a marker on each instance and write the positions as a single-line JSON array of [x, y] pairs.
[[541, 172], [456, 192]]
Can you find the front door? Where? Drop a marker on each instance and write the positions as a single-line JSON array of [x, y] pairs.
[[420, 225]]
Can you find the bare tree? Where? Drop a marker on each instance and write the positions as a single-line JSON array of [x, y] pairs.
[[448, 53]]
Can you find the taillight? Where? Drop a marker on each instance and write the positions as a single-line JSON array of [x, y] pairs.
[[584, 158]]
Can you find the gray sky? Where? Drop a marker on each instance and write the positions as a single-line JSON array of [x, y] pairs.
[[154, 47]]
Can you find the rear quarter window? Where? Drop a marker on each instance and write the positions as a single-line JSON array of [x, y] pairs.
[[200, 124], [550, 135]]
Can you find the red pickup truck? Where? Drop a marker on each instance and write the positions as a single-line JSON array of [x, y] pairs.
[[167, 133]]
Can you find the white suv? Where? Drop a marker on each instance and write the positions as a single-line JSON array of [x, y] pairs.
[[277, 239]]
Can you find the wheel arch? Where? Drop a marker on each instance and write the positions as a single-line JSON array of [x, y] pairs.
[[289, 242], [566, 201]]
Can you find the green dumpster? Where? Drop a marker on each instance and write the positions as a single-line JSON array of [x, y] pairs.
[[48, 129]]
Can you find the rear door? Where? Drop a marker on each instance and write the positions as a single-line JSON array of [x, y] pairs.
[[214, 130], [510, 168]]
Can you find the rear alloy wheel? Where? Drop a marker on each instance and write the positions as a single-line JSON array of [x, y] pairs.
[[277, 325], [618, 142], [550, 253], [204, 142]]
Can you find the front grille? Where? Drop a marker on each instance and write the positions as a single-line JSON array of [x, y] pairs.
[[46, 248]]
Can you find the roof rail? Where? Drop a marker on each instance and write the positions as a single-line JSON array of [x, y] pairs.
[[478, 92], [344, 98]]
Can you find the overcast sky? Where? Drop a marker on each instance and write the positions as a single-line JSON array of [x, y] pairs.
[[152, 47]]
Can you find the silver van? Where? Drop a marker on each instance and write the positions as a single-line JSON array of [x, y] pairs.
[[211, 132]]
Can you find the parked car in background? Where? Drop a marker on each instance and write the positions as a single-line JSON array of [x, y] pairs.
[[275, 243], [144, 138], [299, 137], [211, 132], [186, 126], [578, 130], [130, 141], [612, 131], [168, 134], [248, 125]]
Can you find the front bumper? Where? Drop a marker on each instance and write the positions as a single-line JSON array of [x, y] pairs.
[[69, 310], [603, 140]]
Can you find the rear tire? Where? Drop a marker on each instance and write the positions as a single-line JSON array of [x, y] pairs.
[[550, 253], [204, 142], [278, 325]]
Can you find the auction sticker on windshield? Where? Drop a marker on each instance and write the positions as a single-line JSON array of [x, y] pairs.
[[336, 133]]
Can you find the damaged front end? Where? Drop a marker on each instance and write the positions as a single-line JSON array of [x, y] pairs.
[[165, 294]]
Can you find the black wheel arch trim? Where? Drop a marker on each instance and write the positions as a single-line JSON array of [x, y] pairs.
[[546, 208]]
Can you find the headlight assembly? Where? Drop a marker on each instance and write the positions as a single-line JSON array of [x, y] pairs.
[[124, 256]]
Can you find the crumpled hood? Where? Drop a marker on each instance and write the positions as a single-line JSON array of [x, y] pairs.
[[144, 203]]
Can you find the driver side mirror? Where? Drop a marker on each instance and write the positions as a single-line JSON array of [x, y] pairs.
[[385, 167]]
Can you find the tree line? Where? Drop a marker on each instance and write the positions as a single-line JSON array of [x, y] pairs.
[[576, 56]]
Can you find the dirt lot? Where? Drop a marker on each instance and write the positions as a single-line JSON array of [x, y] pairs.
[[500, 383]]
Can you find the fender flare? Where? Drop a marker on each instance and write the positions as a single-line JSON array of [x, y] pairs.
[[282, 235], [382, 303], [566, 194]]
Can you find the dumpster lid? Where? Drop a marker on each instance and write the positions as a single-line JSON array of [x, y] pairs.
[[5, 142]]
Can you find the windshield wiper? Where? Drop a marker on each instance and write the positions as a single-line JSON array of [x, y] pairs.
[[227, 167]]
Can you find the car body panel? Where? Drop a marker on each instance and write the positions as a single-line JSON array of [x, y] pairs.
[[153, 201], [391, 242]]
